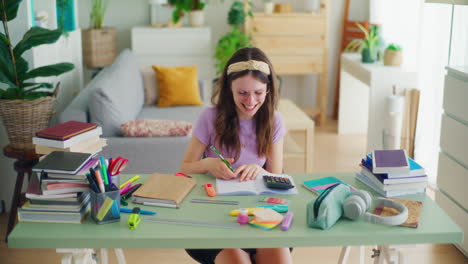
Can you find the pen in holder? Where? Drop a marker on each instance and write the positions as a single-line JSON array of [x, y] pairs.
[[105, 207]]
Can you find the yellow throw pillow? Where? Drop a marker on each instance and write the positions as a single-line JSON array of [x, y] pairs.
[[177, 86]]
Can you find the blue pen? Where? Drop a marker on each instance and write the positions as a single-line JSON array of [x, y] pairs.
[[129, 211]]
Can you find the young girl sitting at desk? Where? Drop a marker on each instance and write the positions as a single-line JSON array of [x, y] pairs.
[[244, 126]]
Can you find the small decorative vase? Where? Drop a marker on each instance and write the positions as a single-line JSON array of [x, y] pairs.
[[393, 58], [197, 18], [268, 7], [367, 57]]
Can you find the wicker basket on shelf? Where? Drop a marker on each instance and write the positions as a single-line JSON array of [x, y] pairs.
[[23, 118], [99, 47]]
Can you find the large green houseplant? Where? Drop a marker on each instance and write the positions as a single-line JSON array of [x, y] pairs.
[[235, 39], [25, 105]]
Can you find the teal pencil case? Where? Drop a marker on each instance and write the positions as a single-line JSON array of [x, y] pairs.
[[325, 211]]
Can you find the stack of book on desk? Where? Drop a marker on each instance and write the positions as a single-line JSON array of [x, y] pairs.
[[392, 173], [72, 136], [62, 199]]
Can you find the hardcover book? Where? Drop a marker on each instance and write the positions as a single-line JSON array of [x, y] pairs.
[[414, 212], [65, 130], [62, 162], [55, 143], [390, 161], [415, 169], [253, 187], [409, 184]]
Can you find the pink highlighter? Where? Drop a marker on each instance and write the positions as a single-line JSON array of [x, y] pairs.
[[287, 221]]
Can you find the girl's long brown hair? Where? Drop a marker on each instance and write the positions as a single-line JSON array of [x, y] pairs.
[[227, 121]]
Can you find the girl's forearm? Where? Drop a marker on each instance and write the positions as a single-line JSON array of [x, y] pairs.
[[195, 167]]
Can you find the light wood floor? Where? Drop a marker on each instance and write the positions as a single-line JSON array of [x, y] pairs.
[[346, 152]]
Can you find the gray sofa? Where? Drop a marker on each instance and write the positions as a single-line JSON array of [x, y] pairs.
[[116, 95]]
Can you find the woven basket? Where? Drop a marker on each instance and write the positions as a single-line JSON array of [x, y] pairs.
[[99, 47], [23, 118]]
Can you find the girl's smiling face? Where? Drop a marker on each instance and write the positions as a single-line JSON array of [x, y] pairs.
[[249, 95]]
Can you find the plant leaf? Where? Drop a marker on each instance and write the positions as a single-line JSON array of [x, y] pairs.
[[11, 8], [49, 70], [5, 79], [36, 36], [45, 85], [5, 59], [11, 93]]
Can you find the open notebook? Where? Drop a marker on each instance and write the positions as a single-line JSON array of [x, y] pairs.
[[254, 187]]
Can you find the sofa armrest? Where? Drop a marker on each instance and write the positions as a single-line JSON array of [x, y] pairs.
[[148, 154]]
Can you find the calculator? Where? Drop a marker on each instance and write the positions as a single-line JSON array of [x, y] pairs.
[[277, 182]]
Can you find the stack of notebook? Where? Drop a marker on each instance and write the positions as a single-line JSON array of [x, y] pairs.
[[60, 207], [71, 136], [392, 173], [64, 198]]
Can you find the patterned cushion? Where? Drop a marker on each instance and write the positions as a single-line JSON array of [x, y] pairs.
[[156, 128]]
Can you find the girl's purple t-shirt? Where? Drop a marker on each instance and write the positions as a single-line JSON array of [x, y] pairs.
[[205, 131]]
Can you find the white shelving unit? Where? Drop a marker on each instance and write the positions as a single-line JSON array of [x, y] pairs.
[[452, 178]]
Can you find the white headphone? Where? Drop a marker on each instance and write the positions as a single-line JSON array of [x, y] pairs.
[[356, 205]]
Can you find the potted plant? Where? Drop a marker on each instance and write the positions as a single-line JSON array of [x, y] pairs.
[[99, 43], [235, 39], [367, 46], [193, 7], [25, 105], [393, 55]]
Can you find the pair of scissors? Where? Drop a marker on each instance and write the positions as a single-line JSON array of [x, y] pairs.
[[117, 165]]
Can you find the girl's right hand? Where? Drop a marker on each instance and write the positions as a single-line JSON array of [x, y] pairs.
[[219, 170]]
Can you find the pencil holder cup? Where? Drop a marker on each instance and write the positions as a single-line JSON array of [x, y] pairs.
[[105, 207]]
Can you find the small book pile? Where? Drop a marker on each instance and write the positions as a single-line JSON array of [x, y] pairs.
[[61, 206], [71, 136], [57, 192], [392, 173]]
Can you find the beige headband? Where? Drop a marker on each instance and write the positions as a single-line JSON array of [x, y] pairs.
[[249, 65]]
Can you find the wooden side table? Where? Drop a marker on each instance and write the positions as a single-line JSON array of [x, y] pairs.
[[25, 160]]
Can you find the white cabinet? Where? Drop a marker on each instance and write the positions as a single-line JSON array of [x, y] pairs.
[[175, 47], [452, 178]]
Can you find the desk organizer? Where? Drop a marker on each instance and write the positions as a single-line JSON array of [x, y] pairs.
[[105, 207]]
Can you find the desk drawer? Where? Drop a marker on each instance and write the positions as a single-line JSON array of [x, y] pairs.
[[455, 95], [458, 215], [454, 139], [289, 45], [289, 25], [297, 64], [452, 178]]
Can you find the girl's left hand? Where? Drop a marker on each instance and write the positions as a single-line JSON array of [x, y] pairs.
[[248, 172]]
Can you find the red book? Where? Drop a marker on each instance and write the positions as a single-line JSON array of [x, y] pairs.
[[66, 130]]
